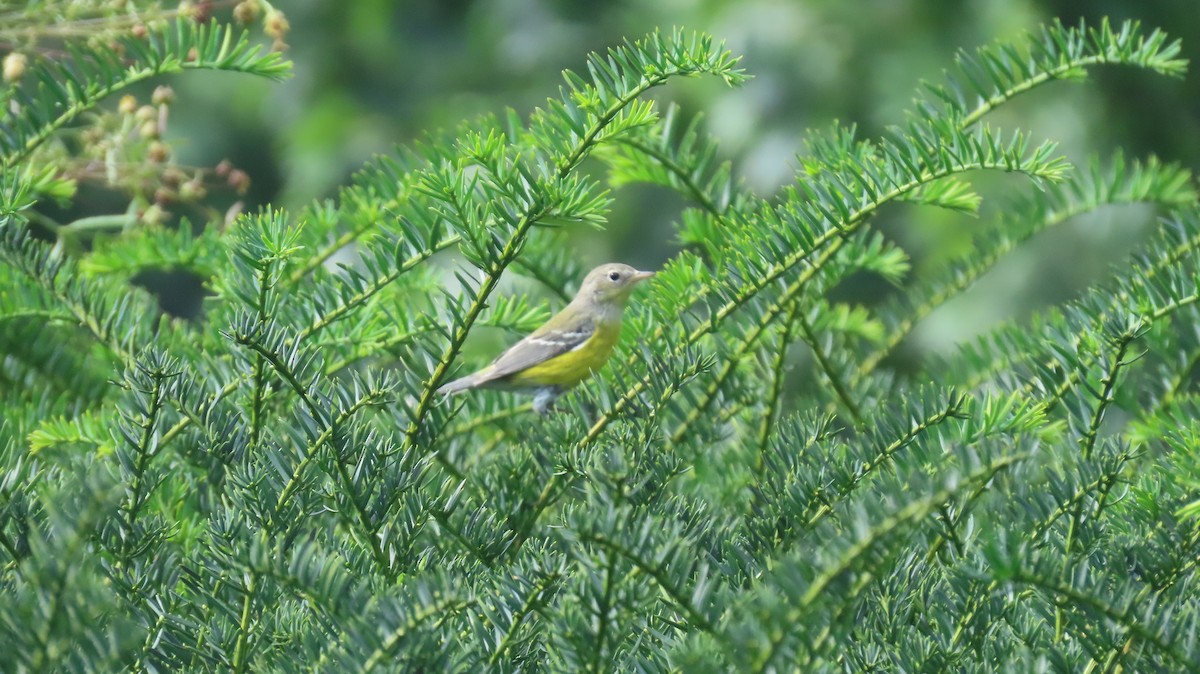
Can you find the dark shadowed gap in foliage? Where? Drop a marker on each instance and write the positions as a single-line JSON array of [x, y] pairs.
[[90, 200], [870, 290], [862, 287], [644, 226], [180, 293], [40, 232]]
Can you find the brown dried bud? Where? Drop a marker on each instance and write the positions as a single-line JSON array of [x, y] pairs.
[[163, 196], [14, 66], [172, 177], [202, 11], [276, 25], [239, 180], [158, 152], [139, 31]]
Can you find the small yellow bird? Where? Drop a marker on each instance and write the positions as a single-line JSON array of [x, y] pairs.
[[571, 345]]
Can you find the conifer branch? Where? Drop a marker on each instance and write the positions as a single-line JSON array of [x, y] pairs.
[[388, 649], [145, 446], [677, 595], [893, 525], [1120, 344], [831, 373], [70, 90], [363, 519], [240, 650], [829, 243], [657, 523], [1178, 381], [581, 143], [371, 398], [537, 598], [951, 410], [55, 274], [1092, 604], [459, 536], [358, 299], [1075, 376], [1061, 51], [1117, 184], [397, 340], [1113, 661], [603, 610], [258, 382], [772, 404], [1102, 483]]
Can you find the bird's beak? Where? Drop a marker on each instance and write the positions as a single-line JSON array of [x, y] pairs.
[[640, 276]]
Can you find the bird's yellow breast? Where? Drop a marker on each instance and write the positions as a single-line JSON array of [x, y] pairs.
[[574, 366]]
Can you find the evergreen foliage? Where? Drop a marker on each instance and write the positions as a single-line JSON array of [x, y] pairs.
[[276, 487]]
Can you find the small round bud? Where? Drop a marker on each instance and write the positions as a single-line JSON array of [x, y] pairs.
[[14, 66], [247, 11], [149, 130], [163, 196], [163, 95], [158, 152], [146, 113], [139, 31], [192, 190], [223, 168], [128, 105], [154, 215], [92, 135]]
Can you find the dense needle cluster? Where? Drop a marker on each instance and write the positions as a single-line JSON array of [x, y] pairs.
[[277, 487]]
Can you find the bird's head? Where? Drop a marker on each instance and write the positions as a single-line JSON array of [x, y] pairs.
[[611, 283]]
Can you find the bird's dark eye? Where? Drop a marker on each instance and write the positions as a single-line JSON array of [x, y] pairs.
[[614, 276]]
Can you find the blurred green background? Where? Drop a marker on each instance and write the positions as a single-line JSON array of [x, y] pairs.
[[371, 74]]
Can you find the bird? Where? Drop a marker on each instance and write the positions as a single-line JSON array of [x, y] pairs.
[[568, 348]]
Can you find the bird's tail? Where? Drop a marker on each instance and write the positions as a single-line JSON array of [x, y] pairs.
[[459, 385]]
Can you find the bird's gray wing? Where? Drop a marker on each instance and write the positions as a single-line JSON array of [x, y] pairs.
[[553, 339]]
